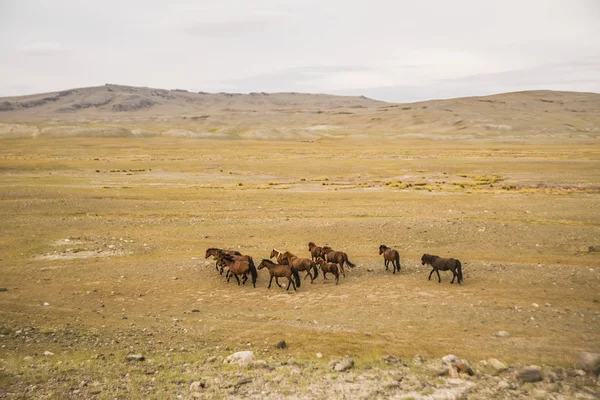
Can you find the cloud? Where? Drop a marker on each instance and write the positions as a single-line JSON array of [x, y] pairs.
[[223, 22], [43, 48], [580, 75]]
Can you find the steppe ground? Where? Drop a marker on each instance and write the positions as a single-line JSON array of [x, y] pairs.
[[102, 254]]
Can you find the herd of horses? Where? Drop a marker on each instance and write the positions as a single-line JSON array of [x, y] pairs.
[[325, 258]]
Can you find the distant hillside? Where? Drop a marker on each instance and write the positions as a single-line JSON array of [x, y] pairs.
[[115, 110]]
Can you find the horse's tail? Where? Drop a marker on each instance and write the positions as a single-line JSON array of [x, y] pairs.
[[296, 276], [253, 271], [398, 260], [314, 266], [459, 272], [348, 261]]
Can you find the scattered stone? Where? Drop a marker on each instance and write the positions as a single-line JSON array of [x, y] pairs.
[[579, 372], [3, 289], [291, 361], [194, 310], [532, 373], [390, 359], [210, 359], [242, 358], [589, 362], [135, 357], [197, 386], [48, 353], [418, 359], [319, 355], [497, 365], [503, 385], [281, 345], [344, 365], [501, 334], [449, 359], [46, 304]]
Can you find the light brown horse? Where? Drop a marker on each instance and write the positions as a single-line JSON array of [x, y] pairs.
[[315, 251], [302, 264], [278, 271], [337, 257], [279, 256], [443, 264], [329, 267], [239, 267], [390, 255], [214, 252]]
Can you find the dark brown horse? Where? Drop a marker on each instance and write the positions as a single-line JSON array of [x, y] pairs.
[[390, 255], [279, 256], [302, 264], [278, 271], [443, 264], [315, 251], [238, 266], [213, 251], [337, 257], [332, 268]]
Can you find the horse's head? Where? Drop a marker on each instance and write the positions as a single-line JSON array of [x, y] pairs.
[[273, 253], [425, 259], [263, 263], [326, 249], [311, 245], [382, 248], [320, 261], [209, 253]]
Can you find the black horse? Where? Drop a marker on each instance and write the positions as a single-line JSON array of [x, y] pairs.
[[443, 264]]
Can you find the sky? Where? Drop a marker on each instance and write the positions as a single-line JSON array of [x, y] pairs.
[[388, 50]]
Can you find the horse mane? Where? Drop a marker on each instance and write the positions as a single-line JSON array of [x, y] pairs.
[[266, 260], [227, 256]]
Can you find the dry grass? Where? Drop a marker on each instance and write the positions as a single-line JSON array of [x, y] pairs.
[[138, 215]]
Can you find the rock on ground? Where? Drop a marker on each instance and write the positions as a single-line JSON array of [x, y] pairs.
[[589, 362], [532, 373], [344, 365], [242, 358]]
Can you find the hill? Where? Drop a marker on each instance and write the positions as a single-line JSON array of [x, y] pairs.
[[115, 110]]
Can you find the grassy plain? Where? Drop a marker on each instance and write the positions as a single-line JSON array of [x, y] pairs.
[[111, 234]]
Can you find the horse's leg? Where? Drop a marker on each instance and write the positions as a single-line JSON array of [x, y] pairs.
[[324, 274], [343, 271], [337, 277], [288, 286], [270, 281], [277, 282], [386, 264], [433, 269], [453, 275], [237, 278], [244, 279], [438, 273]]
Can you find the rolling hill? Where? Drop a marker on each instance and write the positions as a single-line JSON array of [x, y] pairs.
[[116, 110]]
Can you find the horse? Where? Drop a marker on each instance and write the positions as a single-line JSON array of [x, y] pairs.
[[443, 264], [390, 255], [239, 267], [315, 251], [329, 267], [281, 259], [213, 251], [278, 270], [337, 257], [302, 264]]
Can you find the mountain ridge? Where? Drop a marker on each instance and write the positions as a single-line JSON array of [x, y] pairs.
[[142, 111]]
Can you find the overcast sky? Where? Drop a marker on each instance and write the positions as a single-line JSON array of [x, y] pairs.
[[390, 50]]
